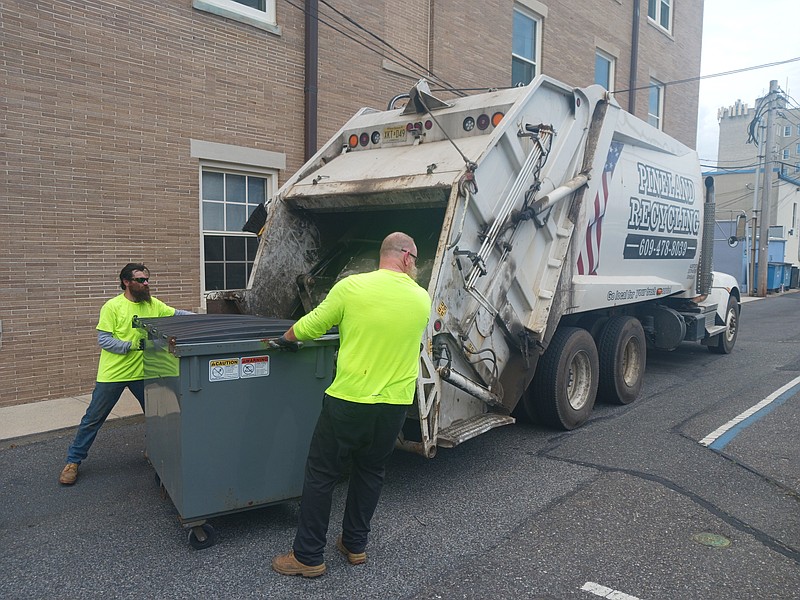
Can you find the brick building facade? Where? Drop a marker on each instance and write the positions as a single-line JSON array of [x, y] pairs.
[[141, 131]]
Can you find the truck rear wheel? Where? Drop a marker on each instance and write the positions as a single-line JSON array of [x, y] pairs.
[[564, 388], [622, 351], [727, 339]]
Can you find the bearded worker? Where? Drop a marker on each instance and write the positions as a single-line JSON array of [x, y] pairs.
[[121, 360]]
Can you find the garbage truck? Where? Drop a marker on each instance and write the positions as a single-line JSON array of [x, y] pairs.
[[559, 237]]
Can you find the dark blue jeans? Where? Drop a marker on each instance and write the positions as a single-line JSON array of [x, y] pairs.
[[346, 432], [104, 397]]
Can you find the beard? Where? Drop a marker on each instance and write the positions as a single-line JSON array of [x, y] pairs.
[[142, 295]]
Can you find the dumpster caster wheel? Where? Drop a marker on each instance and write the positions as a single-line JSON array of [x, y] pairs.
[[202, 536]]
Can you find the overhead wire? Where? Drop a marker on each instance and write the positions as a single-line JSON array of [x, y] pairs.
[[449, 87], [721, 74], [731, 168], [374, 45]]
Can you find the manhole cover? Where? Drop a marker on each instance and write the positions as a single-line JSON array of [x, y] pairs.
[[711, 539]]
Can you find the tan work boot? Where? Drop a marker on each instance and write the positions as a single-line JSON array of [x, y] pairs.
[[69, 474], [355, 558], [287, 564]]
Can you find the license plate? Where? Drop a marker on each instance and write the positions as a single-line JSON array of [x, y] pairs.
[[394, 134]]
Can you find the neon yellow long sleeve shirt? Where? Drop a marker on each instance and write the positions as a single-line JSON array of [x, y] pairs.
[[381, 317]]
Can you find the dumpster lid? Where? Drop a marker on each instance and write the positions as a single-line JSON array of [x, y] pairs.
[[199, 329]]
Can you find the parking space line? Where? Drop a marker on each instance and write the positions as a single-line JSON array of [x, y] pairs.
[[606, 592], [721, 436]]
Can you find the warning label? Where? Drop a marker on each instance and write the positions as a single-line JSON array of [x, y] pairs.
[[223, 369], [254, 366]]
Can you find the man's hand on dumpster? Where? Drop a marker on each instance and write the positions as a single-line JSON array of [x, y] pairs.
[[282, 343]]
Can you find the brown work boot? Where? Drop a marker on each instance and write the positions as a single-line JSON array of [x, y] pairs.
[[69, 474], [355, 558], [287, 564]]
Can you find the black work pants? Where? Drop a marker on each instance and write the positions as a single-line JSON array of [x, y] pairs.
[[363, 434]]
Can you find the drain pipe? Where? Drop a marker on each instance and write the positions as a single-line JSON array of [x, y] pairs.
[[311, 78], [634, 56]]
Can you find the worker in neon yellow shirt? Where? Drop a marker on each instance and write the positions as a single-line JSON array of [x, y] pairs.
[[121, 362], [381, 317]]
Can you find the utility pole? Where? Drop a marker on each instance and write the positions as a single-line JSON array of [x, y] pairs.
[[769, 159], [752, 286]]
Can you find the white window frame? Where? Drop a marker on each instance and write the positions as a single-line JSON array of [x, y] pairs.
[[240, 160], [786, 154], [787, 131], [271, 177], [262, 19], [655, 7], [656, 120], [612, 67], [524, 8], [798, 150]]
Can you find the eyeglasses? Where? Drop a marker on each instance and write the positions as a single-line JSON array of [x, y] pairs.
[[414, 256], [140, 279]]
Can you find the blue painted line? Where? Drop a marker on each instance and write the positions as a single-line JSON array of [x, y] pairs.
[[726, 438]]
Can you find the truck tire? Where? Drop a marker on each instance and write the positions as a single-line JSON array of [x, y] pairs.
[[622, 353], [564, 387], [726, 340]]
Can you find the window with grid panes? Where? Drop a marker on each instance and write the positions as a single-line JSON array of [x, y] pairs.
[[660, 12], [525, 46], [604, 70], [655, 106], [228, 200]]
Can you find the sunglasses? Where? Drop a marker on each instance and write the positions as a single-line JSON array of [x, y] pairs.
[[140, 279], [414, 256]]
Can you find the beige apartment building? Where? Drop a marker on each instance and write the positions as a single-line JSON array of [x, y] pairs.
[[148, 130]]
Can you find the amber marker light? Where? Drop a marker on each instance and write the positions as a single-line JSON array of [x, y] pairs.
[[496, 118], [353, 141]]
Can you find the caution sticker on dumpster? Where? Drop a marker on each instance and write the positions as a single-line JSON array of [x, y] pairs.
[[254, 366], [223, 369]]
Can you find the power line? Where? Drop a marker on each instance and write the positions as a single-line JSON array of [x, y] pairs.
[[701, 77], [387, 44], [368, 44], [732, 168]]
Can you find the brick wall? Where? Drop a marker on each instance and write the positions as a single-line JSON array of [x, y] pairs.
[[101, 99]]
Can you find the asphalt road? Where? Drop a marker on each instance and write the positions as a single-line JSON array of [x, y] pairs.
[[627, 503]]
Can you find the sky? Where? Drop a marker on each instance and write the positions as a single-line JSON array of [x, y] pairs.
[[739, 34]]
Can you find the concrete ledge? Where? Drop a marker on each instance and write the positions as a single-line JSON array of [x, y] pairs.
[[52, 415]]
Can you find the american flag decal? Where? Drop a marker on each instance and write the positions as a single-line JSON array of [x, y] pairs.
[[589, 257]]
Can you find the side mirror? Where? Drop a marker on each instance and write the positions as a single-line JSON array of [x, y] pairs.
[[741, 231], [741, 226]]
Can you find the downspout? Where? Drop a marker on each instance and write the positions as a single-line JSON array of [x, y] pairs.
[[312, 72], [430, 36], [634, 56]]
